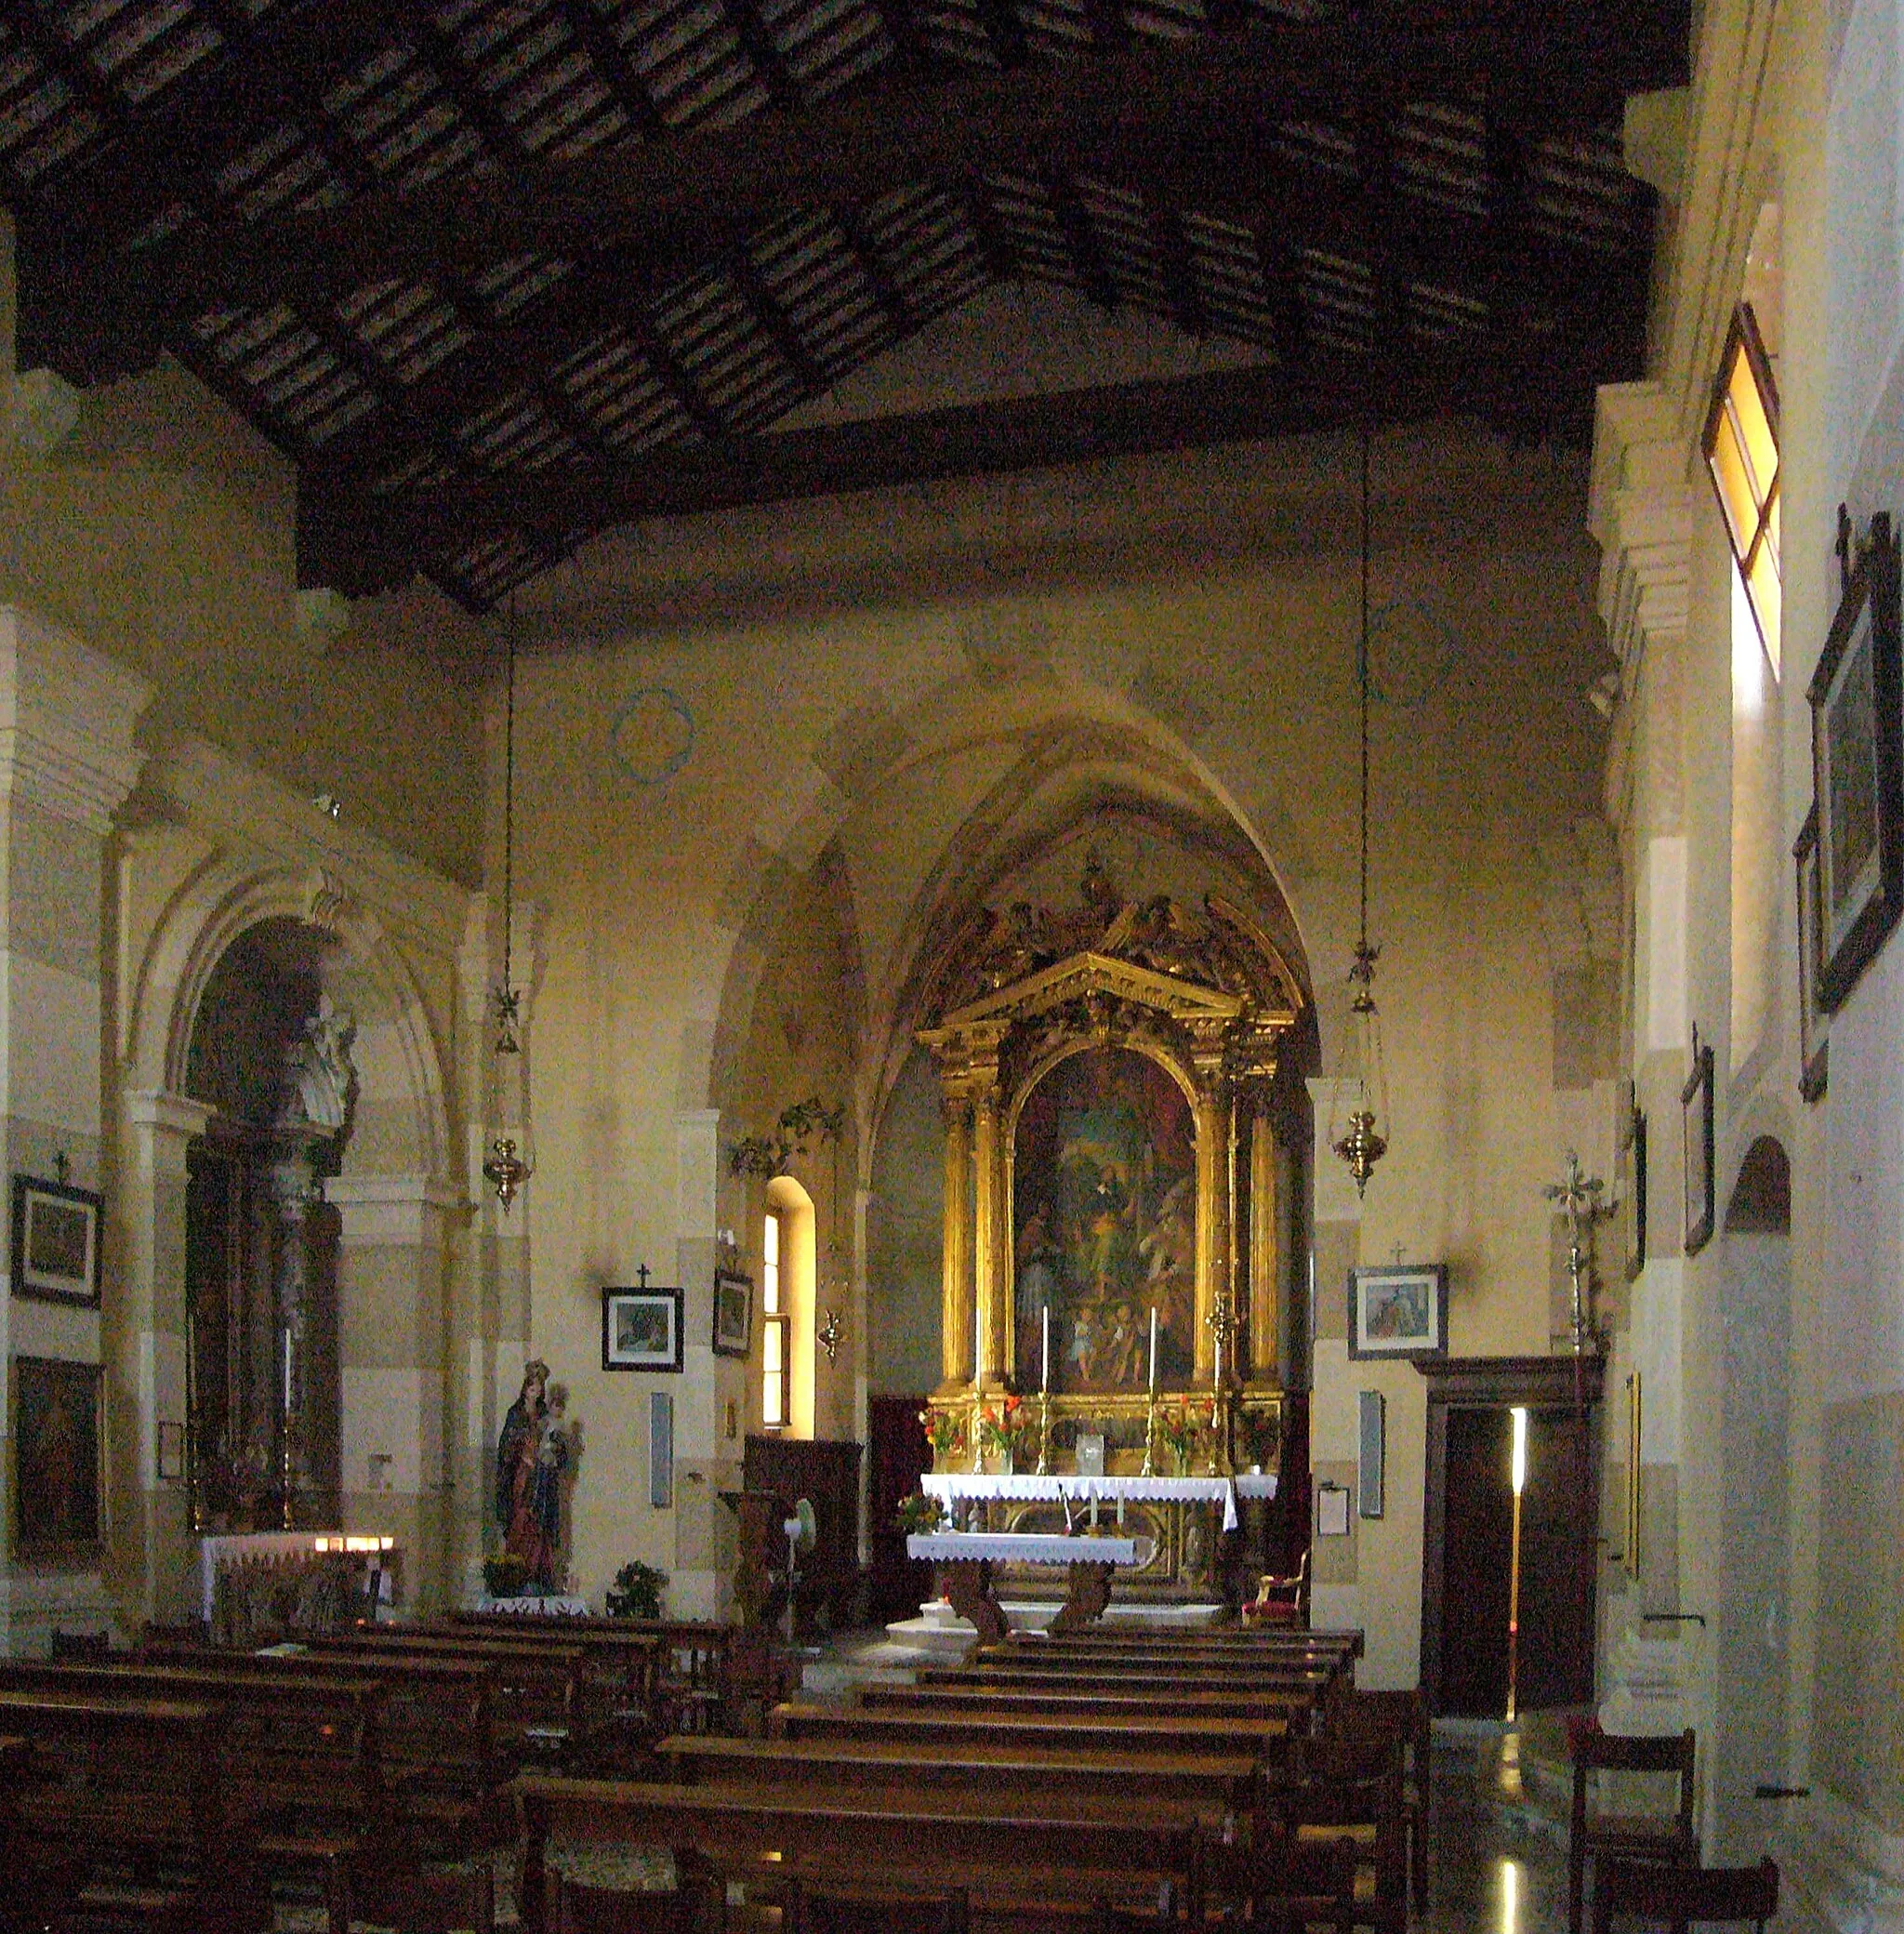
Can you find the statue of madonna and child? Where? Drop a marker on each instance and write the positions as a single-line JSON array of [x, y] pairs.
[[531, 1455]]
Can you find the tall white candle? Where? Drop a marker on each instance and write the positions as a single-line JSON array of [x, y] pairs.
[[1152, 1349], [1046, 1385], [287, 1371], [1219, 1359]]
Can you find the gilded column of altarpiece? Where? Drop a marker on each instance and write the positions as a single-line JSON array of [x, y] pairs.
[[1115, 1143]]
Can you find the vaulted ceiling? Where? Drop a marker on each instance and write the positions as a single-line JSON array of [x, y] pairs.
[[498, 275]]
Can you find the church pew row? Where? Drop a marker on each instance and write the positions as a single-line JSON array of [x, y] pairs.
[[1222, 1783], [1257, 1734], [122, 1818], [299, 1758], [622, 1658], [1299, 1679], [1131, 1702], [1022, 1863], [445, 1770]]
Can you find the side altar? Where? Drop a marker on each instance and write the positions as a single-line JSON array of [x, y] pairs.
[[1125, 1141]]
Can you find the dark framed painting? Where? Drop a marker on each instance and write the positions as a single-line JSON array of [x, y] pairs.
[[1696, 1112], [55, 1242], [734, 1313], [1633, 1187], [1398, 1309], [640, 1329], [56, 1457], [1857, 770], [1813, 1044]]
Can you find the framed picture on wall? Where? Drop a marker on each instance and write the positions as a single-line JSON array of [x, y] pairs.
[[55, 1242], [56, 1457], [1814, 1045], [1857, 770], [640, 1329], [734, 1313], [1696, 1111], [1398, 1309]]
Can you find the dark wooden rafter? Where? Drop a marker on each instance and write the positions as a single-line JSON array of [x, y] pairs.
[[1073, 223], [681, 201], [364, 546], [1174, 255], [617, 73], [1433, 183]]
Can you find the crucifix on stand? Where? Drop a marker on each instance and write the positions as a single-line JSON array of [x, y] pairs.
[[1579, 1197]]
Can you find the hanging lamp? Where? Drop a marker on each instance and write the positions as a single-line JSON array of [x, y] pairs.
[[1361, 1083], [504, 1169]]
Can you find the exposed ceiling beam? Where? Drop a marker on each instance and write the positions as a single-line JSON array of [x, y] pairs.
[[359, 543], [673, 200]]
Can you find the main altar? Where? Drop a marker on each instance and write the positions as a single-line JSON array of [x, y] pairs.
[[1123, 1155]]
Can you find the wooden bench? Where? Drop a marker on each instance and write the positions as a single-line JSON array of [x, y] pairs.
[[442, 1770], [1258, 1734], [1212, 1783], [1098, 1703], [543, 1698], [1019, 1859], [122, 1817], [1304, 1680], [623, 1659], [302, 1758]]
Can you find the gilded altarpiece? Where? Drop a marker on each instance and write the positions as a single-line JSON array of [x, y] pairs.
[[1117, 1141]]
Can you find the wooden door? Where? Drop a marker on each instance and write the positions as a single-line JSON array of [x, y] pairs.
[[897, 1456], [1557, 1558], [1476, 1562]]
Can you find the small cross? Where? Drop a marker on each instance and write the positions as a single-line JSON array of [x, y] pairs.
[[62, 1167], [641, 1276], [1398, 1255]]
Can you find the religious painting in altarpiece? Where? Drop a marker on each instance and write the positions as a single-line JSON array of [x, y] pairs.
[[1104, 1222]]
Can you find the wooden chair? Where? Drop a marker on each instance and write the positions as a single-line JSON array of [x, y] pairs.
[[1281, 1601], [1300, 1884], [1401, 1717], [1665, 1838], [1684, 1897]]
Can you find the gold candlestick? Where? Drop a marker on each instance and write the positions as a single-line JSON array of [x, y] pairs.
[[1149, 1469], [1222, 1324], [1044, 1433]]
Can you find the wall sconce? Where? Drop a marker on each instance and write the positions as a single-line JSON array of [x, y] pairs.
[[831, 1334]]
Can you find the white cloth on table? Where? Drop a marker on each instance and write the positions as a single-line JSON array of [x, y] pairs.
[[1027, 1548], [949, 1486]]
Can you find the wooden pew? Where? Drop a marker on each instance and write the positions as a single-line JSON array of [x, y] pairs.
[[1210, 1782], [1306, 1680], [1100, 1704], [1017, 1860], [444, 1772], [1258, 1734], [543, 1697], [302, 1758], [124, 1816], [624, 1659]]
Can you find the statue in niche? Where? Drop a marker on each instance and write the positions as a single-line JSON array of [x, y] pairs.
[[531, 1456], [318, 1077]]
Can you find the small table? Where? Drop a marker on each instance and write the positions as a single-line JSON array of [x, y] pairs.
[[966, 1559]]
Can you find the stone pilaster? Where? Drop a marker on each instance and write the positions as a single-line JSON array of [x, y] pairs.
[[67, 763]]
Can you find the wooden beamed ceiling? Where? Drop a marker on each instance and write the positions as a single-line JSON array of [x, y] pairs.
[[498, 275]]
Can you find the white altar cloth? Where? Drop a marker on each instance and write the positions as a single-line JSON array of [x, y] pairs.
[[950, 1486], [1025, 1549], [377, 1549]]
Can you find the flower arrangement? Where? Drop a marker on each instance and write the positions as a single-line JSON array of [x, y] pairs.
[[945, 1432], [1004, 1429], [1179, 1431], [917, 1512], [504, 1574], [636, 1593]]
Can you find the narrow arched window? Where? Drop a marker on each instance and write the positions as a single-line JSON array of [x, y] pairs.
[[775, 1358]]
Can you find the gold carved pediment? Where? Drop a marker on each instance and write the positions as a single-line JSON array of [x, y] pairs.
[[1087, 974]]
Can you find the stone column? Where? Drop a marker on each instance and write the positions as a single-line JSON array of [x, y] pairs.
[[955, 1336], [1265, 1259], [67, 762], [1212, 1199]]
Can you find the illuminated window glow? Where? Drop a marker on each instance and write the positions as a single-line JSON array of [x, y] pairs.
[[1742, 451], [775, 1361]]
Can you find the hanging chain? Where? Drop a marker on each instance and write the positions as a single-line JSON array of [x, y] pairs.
[[509, 803], [1362, 683]]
